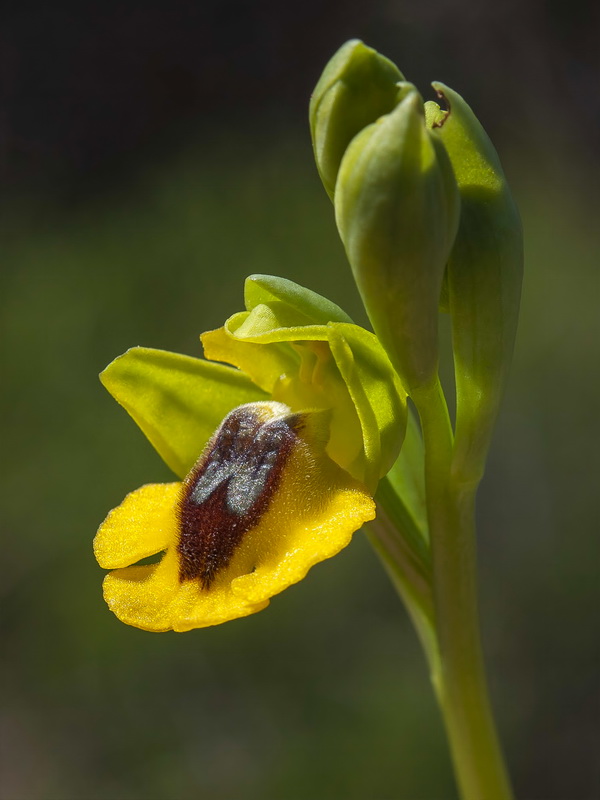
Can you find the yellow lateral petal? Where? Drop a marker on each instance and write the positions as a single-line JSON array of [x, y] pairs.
[[144, 524], [262, 363]]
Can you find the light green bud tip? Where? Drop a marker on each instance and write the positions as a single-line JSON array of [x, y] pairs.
[[357, 86], [397, 210], [484, 279]]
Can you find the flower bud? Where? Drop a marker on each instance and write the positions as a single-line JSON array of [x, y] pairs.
[[357, 86], [484, 279], [397, 209]]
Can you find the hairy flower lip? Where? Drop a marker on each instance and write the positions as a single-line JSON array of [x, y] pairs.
[[312, 513]]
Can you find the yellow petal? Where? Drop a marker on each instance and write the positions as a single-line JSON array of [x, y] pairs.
[[141, 526]]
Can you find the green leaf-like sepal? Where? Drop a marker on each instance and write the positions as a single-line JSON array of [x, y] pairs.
[[267, 289], [176, 400]]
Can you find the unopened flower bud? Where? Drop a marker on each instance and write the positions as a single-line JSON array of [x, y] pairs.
[[397, 210], [484, 279], [357, 86]]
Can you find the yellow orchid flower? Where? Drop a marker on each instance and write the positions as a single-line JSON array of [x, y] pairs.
[[281, 484]]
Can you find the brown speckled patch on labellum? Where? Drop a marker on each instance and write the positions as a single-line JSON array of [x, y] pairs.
[[230, 489]]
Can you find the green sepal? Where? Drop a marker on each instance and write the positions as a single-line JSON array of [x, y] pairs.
[[485, 271], [377, 394], [357, 86], [177, 401], [275, 322], [397, 209], [266, 289]]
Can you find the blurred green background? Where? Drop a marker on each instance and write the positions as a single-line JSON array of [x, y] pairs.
[[155, 155]]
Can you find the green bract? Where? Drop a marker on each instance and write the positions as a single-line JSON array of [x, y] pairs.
[[484, 279], [397, 209], [357, 86]]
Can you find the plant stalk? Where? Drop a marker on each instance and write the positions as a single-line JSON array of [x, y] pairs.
[[459, 676]]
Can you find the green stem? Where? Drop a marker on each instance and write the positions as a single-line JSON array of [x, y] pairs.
[[459, 680], [400, 546]]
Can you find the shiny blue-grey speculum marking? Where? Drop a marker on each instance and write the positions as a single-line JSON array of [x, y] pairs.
[[244, 459], [230, 489]]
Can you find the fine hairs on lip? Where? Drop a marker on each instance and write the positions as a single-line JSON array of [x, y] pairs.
[[230, 489]]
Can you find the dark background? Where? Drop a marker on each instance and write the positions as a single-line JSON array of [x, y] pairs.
[[153, 155]]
